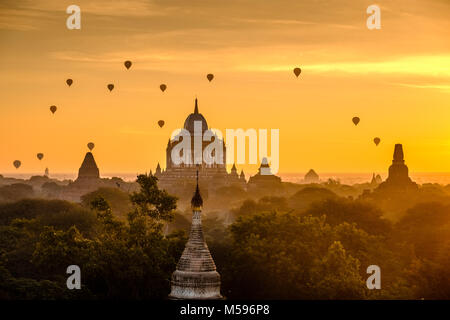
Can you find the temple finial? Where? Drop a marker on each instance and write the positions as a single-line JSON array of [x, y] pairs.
[[197, 201], [196, 106]]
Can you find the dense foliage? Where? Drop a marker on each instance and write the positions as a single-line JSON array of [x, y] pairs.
[[310, 244], [119, 259]]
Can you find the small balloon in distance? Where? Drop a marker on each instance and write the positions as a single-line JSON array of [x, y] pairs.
[[17, 164], [377, 141], [161, 123], [297, 71], [110, 87], [53, 109], [356, 120], [69, 82], [90, 146], [40, 156], [127, 64], [163, 87], [210, 76]]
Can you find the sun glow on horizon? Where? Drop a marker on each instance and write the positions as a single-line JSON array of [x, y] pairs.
[[396, 79]]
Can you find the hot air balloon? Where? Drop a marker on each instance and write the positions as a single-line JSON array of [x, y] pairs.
[[163, 87], [110, 87], [356, 120], [210, 76], [53, 109], [91, 145], [127, 64], [17, 164], [297, 72], [69, 82], [40, 156], [161, 123], [377, 141]]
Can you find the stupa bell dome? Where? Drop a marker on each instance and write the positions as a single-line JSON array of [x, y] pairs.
[[196, 116]]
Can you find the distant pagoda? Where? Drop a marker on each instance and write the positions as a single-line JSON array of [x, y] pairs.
[[88, 169], [311, 177], [87, 181], [264, 178], [376, 180], [196, 276], [398, 177]]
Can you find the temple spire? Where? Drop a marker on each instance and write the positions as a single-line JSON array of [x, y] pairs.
[[197, 201], [398, 153], [158, 169], [196, 106]]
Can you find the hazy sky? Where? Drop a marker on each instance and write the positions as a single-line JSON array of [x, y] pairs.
[[397, 80]]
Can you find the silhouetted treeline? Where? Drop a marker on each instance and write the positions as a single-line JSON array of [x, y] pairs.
[[128, 259], [311, 243]]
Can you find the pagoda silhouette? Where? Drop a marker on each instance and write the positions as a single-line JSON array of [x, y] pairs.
[[196, 276], [398, 178]]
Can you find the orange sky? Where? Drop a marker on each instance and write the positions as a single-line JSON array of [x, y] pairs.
[[397, 80]]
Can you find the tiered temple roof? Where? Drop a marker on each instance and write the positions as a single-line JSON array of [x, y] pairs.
[[398, 173]]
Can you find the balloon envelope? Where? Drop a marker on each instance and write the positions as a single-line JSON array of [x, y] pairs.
[[53, 109], [91, 145], [69, 82], [356, 120], [163, 87], [110, 86], [127, 64], [297, 72], [209, 76], [40, 156], [17, 164], [377, 141], [161, 123]]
